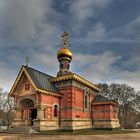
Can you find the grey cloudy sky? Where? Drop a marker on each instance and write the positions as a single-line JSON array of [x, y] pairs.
[[104, 37]]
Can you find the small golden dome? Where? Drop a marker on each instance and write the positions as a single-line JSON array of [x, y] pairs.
[[64, 52]]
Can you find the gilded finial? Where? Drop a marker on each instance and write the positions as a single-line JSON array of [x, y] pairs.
[[65, 40], [64, 52]]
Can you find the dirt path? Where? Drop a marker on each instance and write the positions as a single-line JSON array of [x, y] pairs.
[[130, 136]]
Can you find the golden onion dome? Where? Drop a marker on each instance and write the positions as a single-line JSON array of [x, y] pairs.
[[64, 52]]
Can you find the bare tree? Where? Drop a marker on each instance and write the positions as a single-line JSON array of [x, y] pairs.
[[136, 102], [9, 108], [6, 106], [3, 96], [123, 94]]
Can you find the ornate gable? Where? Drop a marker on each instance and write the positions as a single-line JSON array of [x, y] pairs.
[[23, 79], [39, 82], [25, 87]]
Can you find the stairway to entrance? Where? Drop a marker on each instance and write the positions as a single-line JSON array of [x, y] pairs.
[[20, 130]]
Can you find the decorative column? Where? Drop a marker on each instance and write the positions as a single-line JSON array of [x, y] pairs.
[[40, 113], [19, 114]]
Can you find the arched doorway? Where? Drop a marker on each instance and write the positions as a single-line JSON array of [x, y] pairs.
[[33, 114], [29, 112]]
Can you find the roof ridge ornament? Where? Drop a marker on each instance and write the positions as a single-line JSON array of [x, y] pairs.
[[27, 61], [65, 40]]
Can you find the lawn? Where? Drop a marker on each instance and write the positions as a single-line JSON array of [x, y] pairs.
[[87, 132]]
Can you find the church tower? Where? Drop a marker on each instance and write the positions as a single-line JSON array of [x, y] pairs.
[[64, 56]]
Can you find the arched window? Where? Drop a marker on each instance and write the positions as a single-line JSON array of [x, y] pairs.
[[22, 114], [55, 110], [86, 101], [61, 66], [27, 87]]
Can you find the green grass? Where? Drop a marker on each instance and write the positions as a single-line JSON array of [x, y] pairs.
[[87, 132]]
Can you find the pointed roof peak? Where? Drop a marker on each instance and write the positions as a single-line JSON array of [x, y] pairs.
[[39, 80]]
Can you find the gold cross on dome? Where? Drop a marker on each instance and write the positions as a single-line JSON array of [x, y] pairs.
[[65, 40]]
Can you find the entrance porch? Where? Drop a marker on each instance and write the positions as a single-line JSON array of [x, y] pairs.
[[26, 113]]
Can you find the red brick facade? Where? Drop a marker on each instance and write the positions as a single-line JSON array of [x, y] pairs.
[[66, 102]]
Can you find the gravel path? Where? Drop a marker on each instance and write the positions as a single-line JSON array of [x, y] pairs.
[[130, 136]]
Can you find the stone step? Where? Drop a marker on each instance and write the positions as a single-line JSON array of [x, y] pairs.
[[23, 130], [20, 130]]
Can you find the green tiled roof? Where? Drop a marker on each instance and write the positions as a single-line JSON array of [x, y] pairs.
[[40, 79]]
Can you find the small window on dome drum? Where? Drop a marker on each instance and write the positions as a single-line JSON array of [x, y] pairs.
[[61, 66]]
